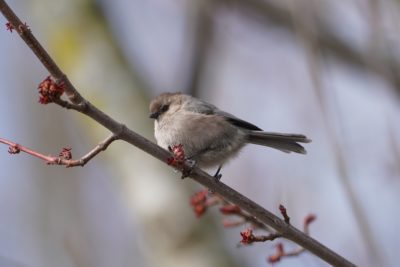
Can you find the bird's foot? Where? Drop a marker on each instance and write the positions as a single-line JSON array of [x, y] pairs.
[[180, 161], [187, 170], [191, 162], [218, 175]]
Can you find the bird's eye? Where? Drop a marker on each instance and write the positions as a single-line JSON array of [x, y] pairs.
[[164, 108]]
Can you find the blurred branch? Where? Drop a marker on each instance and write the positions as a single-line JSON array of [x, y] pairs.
[[99, 10], [313, 50], [286, 230], [202, 42], [395, 148], [383, 63]]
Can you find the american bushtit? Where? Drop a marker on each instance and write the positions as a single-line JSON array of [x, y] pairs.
[[209, 135]]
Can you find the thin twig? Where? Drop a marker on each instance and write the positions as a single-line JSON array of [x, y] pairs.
[[202, 43], [96, 150], [248, 237], [280, 251], [231, 209], [195, 173], [283, 211], [15, 148]]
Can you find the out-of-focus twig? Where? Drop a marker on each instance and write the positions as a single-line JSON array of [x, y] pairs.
[[395, 149], [313, 50], [203, 37], [382, 62]]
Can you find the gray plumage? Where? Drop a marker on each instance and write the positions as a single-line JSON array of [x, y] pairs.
[[209, 135]]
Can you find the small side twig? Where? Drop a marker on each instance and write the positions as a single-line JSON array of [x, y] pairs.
[[283, 211], [248, 237], [96, 150], [65, 156], [203, 200], [232, 209], [280, 250]]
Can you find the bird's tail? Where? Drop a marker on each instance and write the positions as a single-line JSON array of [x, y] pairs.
[[283, 142]]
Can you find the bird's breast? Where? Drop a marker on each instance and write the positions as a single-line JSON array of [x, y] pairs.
[[167, 133]]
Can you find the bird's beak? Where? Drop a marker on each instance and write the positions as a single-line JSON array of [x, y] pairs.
[[154, 115]]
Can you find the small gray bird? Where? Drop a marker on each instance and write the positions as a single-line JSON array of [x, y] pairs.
[[209, 135]]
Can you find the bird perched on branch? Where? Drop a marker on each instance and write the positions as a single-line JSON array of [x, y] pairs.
[[209, 135]]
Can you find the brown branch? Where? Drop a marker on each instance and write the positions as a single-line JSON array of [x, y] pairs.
[[64, 157], [264, 216]]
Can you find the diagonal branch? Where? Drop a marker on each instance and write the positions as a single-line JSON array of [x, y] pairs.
[[263, 215]]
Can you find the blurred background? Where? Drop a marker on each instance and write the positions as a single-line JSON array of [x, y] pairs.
[[328, 69]]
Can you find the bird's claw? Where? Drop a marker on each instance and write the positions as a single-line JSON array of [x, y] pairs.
[[191, 163], [217, 177], [187, 170]]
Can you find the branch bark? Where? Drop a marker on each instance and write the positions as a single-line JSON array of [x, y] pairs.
[[80, 104]]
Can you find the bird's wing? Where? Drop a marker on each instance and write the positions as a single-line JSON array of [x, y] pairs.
[[202, 107], [236, 121]]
